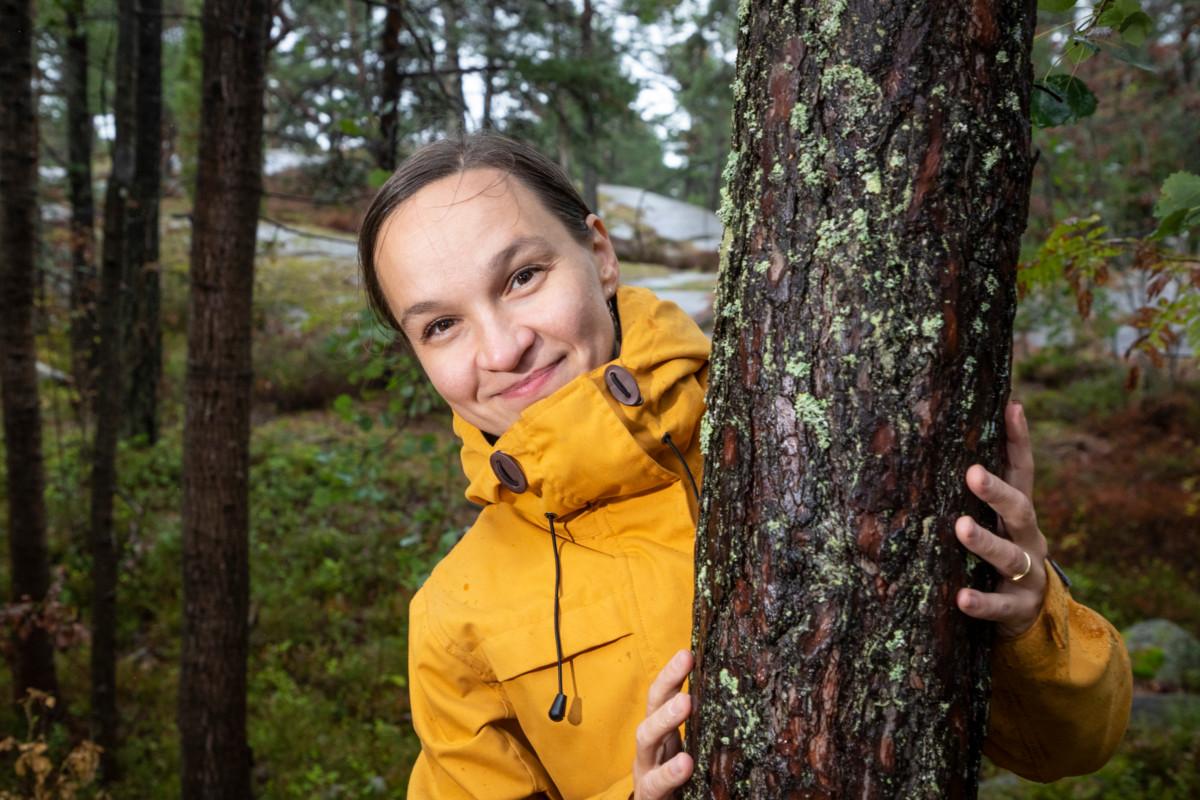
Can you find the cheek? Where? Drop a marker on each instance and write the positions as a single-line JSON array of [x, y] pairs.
[[451, 377]]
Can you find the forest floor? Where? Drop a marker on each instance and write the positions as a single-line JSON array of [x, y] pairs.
[[355, 495]]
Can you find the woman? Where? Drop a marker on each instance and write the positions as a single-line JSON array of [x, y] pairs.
[[578, 402]]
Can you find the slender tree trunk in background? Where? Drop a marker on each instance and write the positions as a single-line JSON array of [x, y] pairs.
[[119, 231], [216, 439], [33, 653], [877, 192], [145, 355], [587, 51], [456, 107], [389, 87], [83, 288], [489, 75]]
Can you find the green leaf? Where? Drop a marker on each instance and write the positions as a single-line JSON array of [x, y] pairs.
[[1115, 13], [1060, 99], [1054, 6], [350, 127], [1127, 54], [1180, 190], [1136, 27], [1178, 205], [1080, 49]]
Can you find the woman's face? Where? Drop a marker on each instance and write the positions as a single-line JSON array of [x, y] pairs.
[[501, 304]]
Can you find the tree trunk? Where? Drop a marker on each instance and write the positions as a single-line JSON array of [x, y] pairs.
[[587, 52], [119, 226], [145, 356], [877, 191], [33, 653], [216, 446], [489, 75], [456, 104], [83, 287], [389, 87]]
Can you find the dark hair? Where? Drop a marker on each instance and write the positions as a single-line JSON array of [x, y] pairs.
[[439, 159]]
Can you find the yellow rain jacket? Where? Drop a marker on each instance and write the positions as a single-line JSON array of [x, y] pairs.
[[482, 655]]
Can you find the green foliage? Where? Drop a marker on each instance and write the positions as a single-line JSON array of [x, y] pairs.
[[1178, 205], [1055, 6], [1061, 99], [1153, 762]]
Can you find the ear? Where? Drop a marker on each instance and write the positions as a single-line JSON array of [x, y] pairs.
[[607, 266]]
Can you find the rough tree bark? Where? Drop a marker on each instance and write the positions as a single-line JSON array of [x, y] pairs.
[[83, 287], [877, 191], [33, 653], [216, 439], [145, 352], [110, 391]]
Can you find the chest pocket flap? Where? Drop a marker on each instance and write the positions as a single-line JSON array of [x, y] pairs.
[[531, 647]]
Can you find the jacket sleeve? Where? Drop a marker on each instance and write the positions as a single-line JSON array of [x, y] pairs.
[[1061, 691], [472, 745]]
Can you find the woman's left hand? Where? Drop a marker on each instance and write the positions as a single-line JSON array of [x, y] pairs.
[[1015, 604]]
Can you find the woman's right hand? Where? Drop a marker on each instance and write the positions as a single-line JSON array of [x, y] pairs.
[[659, 765]]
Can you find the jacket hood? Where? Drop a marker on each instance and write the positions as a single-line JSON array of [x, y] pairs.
[[582, 444]]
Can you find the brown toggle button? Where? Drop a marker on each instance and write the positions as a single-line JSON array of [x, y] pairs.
[[622, 386], [508, 471]]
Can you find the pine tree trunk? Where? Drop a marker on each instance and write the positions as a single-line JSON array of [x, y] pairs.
[[84, 282], [489, 75], [216, 448], [389, 87], [456, 104], [33, 653], [145, 356], [119, 223], [591, 196], [877, 191]]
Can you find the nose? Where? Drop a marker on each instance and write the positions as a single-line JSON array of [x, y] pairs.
[[503, 343]]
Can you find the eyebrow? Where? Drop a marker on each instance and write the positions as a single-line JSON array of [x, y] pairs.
[[498, 262]]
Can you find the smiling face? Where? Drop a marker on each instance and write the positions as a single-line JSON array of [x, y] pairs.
[[501, 303]]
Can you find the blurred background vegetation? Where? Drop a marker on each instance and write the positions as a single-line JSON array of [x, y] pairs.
[[355, 486]]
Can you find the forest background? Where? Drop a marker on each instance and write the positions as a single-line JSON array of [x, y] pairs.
[[355, 486]]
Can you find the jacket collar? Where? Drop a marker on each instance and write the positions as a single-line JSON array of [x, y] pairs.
[[581, 445]]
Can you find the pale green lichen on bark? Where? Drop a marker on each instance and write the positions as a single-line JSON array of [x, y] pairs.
[[812, 411]]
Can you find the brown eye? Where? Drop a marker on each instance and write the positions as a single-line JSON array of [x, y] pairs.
[[437, 327], [524, 276]]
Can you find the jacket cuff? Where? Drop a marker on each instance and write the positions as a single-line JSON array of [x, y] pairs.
[[1037, 650]]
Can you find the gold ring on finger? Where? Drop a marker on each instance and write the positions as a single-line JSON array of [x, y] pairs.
[[1024, 572]]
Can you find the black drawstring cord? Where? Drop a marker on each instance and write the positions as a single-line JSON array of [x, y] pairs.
[[558, 709], [667, 441]]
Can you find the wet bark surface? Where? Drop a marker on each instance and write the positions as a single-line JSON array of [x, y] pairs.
[[216, 441], [874, 201]]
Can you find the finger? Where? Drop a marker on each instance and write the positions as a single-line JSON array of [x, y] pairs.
[[1009, 610], [656, 727], [661, 781], [1008, 558], [669, 680], [1011, 504], [1020, 450]]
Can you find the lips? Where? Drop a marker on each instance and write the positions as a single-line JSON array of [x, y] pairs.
[[531, 383]]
